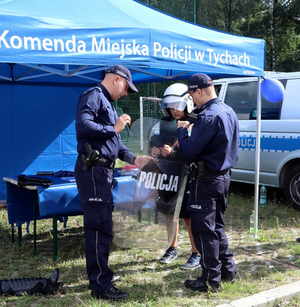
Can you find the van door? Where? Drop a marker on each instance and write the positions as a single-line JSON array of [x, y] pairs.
[[242, 97]]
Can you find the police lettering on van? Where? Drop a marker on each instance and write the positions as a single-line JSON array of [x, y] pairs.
[[280, 132]]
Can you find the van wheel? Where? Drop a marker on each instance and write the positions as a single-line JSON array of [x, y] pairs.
[[292, 185]]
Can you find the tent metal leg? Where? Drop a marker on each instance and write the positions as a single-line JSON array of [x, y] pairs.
[[12, 233], [20, 235], [36, 212], [34, 237], [65, 220], [27, 227], [55, 242]]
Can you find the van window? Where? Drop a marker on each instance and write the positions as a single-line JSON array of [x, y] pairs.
[[242, 98], [218, 88]]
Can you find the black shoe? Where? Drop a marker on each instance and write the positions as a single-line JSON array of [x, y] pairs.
[[201, 286], [112, 294], [192, 263], [115, 278], [298, 240], [169, 255], [228, 276], [196, 285]]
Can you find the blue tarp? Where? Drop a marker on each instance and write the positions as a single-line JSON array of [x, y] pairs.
[[50, 51]]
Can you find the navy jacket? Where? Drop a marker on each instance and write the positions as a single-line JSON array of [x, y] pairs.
[[214, 137], [95, 120]]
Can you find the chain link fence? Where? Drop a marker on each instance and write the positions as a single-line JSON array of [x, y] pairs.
[[145, 113]]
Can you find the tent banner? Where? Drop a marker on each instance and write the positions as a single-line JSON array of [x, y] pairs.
[[132, 46]]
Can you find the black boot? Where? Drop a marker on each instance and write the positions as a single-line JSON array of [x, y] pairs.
[[200, 285], [114, 279], [112, 293], [228, 276], [196, 285]]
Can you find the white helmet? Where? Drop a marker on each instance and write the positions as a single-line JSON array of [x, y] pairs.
[[176, 96]]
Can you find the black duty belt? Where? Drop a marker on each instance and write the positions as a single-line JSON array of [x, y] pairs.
[[209, 174], [96, 161], [198, 170], [105, 163], [218, 173]]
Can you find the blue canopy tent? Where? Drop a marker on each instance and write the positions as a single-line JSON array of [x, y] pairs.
[[51, 50]]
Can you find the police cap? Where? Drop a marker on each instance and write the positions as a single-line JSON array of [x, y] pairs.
[[199, 81], [125, 73]]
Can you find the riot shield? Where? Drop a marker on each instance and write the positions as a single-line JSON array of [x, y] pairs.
[[155, 197]]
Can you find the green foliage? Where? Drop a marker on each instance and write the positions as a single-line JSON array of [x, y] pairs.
[[276, 21], [277, 24]]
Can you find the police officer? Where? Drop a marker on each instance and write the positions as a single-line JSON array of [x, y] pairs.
[[212, 148], [98, 135]]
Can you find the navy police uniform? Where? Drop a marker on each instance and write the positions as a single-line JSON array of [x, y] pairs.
[[95, 122], [213, 148]]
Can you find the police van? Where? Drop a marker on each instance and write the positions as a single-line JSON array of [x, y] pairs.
[[280, 132]]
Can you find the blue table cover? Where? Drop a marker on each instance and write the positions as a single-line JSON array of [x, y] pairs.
[[61, 199]]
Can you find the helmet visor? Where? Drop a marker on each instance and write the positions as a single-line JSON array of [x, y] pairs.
[[173, 101], [179, 105]]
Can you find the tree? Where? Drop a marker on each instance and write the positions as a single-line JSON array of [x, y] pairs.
[[276, 21]]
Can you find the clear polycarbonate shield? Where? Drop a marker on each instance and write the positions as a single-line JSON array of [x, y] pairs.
[[145, 200], [148, 215]]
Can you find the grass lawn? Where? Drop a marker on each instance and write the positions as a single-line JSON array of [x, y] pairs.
[[270, 261]]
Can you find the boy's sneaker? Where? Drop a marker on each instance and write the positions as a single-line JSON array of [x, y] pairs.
[[192, 263], [169, 255]]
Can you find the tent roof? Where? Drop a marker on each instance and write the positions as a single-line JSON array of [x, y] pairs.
[[57, 40]]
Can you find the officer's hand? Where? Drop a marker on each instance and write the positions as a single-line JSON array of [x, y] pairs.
[[141, 161], [166, 150], [155, 152], [121, 122], [183, 124]]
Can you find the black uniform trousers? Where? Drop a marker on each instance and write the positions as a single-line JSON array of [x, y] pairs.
[[207, 205], [94, 186]]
